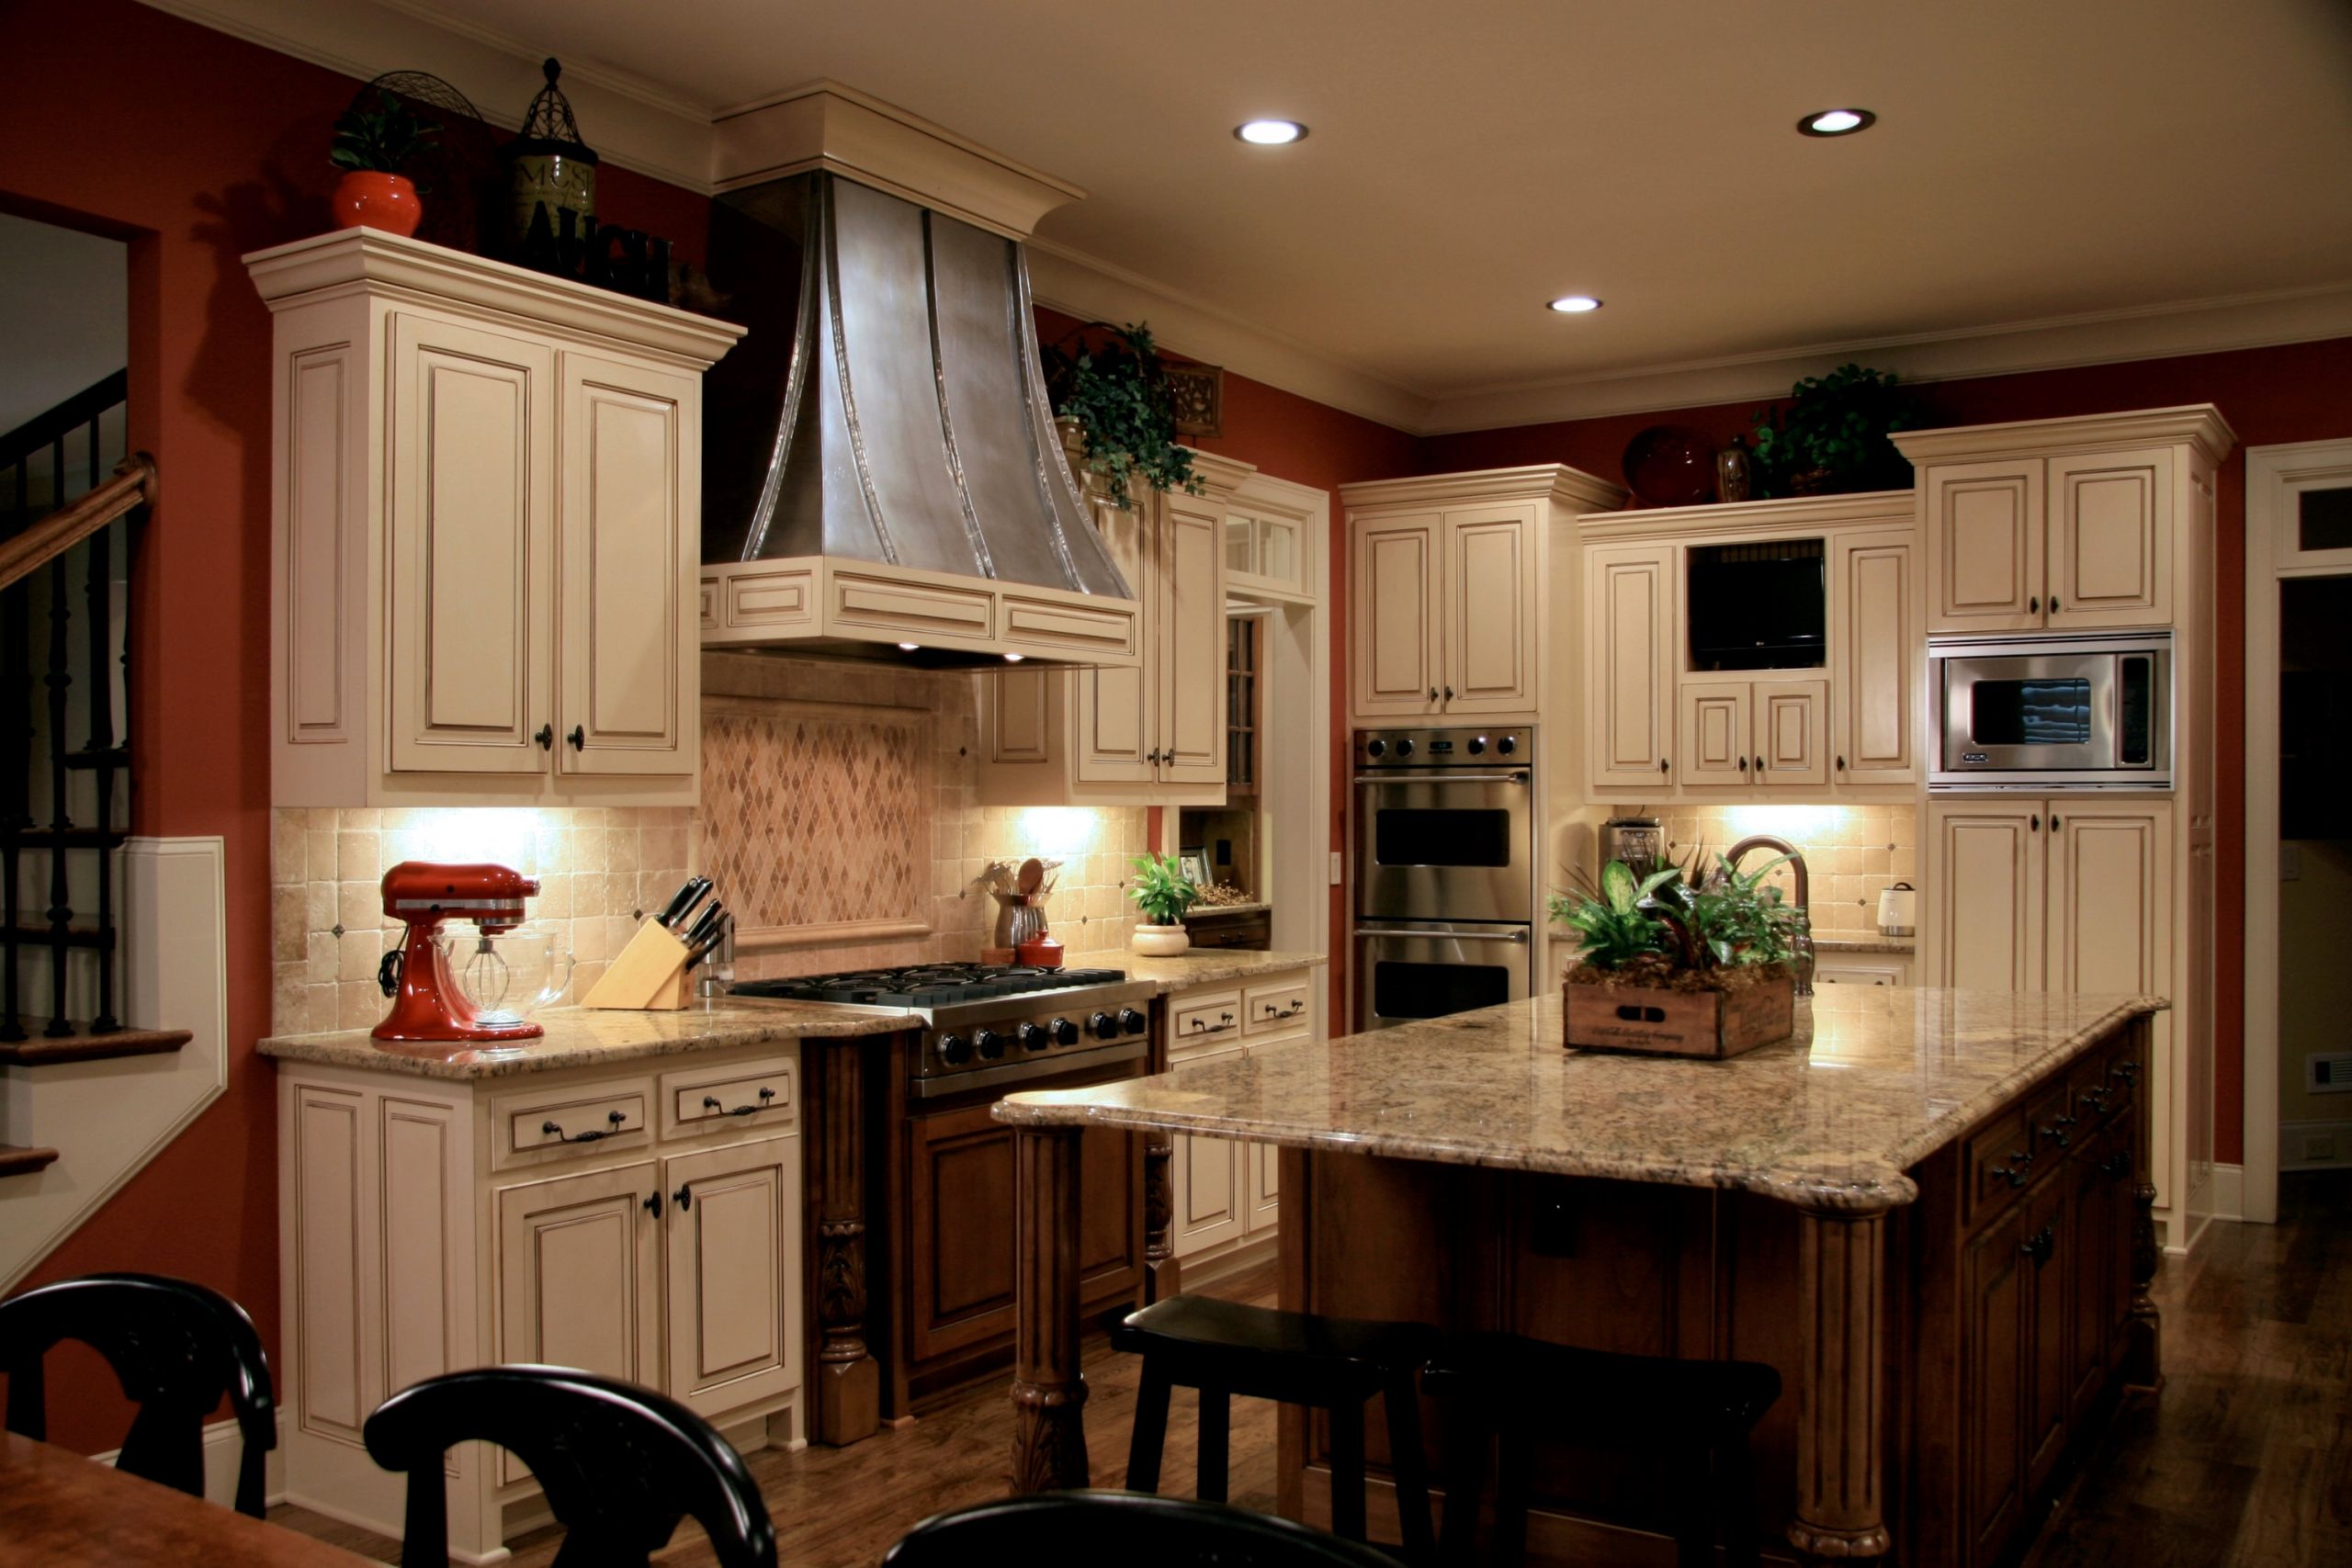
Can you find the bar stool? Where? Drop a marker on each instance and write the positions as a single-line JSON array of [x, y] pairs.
[[1694, 1414], [1333, 1364]]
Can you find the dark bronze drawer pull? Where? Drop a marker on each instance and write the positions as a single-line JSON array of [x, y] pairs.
[[2040, 1245], [2100, 1100], [710, 1102], [2115, 1165], [2020, 1161], [555, 1129], [2128, 1071], [2060, 1131], [1291, 1011]]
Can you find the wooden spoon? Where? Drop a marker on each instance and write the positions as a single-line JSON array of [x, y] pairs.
[[1032, 876]]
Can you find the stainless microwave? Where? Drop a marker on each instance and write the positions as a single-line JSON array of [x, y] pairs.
[[2087, 712]]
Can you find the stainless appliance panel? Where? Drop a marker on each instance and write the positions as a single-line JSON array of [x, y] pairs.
[[1410, 970], [2052, 713], [1444, 831]]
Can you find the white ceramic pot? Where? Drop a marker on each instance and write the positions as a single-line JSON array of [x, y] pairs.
[[1160, 941]]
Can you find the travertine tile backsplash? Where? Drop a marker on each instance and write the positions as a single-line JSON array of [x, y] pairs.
[[1851, 853], [876, 868]]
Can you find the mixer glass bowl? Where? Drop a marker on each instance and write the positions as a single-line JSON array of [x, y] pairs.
[[506, 977]]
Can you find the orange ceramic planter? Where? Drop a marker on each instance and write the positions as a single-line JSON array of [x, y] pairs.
[[374, 199]]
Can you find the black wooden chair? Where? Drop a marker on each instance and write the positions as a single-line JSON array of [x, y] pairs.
[[621, 1465], [1695, 1415], [1123, 1526], [1328, 1364], [177, 1347]]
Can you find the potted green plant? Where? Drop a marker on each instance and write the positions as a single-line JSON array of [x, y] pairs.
[[372, 145], [1832, 437], [1680, 963], [1117, 394], [1162, 891]]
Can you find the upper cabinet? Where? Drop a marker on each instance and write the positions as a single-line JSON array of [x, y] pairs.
[[486, 500], [1449, 578], [1155, 734], [2069, 525], [1770, 647]]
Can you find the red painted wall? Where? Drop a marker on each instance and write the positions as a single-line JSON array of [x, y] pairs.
[[2297, 393], [196, 147]]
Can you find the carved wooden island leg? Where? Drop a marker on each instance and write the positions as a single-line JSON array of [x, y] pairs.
[[1842, 1492], [2142, 1355], [1048, 1392], [1162, 1274], [849, 1381]]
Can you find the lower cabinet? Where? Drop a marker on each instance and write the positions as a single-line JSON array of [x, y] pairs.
[[428, 1226], [1227, 1193], [1834, 968]]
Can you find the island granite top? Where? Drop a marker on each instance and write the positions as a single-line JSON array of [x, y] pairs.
[[583, 1037], [1875, 1079]]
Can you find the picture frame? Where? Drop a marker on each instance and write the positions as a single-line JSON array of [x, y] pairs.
[[1195, 862]]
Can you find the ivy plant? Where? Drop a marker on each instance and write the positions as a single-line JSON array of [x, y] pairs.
[[1118, 393]]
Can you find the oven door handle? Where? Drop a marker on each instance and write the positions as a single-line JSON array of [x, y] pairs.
[[1430, 778], [1520, 936]]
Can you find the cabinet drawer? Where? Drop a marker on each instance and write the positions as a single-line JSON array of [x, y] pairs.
[[1210, 1016], [1997, 1164], [532, 1126], [1276, 1005], [730, 1097]]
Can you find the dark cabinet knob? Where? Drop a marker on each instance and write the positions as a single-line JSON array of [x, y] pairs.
[[2033, 605], [2053, 603], [1743, 764], [1449, 693], [579, 737], [2054, 820], [1432, 694], [1759, 766], [2033, 823], [684, 1197], [653, 1204], [1841, 765], [1661, 764], [546, 737]]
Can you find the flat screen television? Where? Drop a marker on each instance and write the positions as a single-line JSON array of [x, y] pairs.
[[1758, 606]]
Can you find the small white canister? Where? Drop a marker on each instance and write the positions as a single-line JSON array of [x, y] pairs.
[[1898, 910]]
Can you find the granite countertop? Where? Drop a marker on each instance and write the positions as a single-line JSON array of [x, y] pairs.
[[1875, 1080], [582, 1037]]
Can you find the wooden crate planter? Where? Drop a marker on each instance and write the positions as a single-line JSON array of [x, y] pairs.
[[1660, 1022]]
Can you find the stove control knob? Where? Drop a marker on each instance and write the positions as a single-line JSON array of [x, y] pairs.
[[1507, 745], [955, 1050], [1032, 1036], [1375, 748], [1133, 1022], [1405, 746], [1063, 1030], [1104, 1026], [990, 1043], [1477, 744]]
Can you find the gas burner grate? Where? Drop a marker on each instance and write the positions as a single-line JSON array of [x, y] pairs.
[[928, 985]]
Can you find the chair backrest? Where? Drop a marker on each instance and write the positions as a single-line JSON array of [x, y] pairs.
[[1135, 1526], [177, 1347], [621, 1464]]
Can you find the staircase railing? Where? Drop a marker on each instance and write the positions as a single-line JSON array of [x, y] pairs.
[[42, 544]]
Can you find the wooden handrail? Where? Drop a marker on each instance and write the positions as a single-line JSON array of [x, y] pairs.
[[134, 484]]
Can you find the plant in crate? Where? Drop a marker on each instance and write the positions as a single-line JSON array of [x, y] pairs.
[[1680, 962], [1162, 891]]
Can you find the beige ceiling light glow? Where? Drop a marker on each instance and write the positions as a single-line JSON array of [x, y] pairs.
[[1836, 122], [1270, 133], [1574, 304]]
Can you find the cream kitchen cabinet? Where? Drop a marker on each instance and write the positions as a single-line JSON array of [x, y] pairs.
[[1630, 662], [1883, 969], [1450, 583], [486, 515], [1228, 1193], [1755, 734], [428, 1226], [1875, 644], [1153, 735], [2058, 894]]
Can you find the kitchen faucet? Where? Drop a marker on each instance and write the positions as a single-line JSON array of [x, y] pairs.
[[1803, 962]]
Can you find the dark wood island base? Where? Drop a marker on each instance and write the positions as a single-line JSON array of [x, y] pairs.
[[1946, 1337]]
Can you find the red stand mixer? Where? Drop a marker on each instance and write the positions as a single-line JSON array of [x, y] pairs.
[[427, 1001]]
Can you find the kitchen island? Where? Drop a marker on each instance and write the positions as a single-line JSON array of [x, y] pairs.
[[1929, 1209]]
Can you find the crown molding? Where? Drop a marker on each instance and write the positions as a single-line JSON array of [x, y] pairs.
[[1572, 488], [2197, 426], [1876, 507]]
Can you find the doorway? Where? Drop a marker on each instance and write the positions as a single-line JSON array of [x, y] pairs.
[[2298, 839]]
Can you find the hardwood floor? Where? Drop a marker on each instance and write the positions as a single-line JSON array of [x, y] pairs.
[[2245, 1461]]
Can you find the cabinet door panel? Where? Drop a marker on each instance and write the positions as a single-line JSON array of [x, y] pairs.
[[1791, 731], [1993, 1371], [2096, 1213], [1985, 546], [1629, 665], [1875, 623], [1191, 641], [734, 1273], [2050, 1383], [1113, 709], [1211, 1181], [1264, 1161], [2110, 898], [626, 514], [1985, 878], [1491, 612], [2110, 539], [1716, 734], [470, 547], [1394, 613]]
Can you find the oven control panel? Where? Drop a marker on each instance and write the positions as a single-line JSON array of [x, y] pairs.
[[1508, 746]]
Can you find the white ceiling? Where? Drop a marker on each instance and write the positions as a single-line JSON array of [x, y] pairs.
[[2066, 165]]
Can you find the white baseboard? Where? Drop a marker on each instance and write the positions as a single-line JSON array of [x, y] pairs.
[[224, 1453], [2229, 1192], [2331, 1142]]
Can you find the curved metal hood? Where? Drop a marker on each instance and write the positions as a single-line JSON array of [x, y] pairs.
[[909, 431]]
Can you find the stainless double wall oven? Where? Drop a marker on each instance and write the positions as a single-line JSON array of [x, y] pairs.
[[1445, 879]]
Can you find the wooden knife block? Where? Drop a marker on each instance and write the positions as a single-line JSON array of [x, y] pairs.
[[649, 976]]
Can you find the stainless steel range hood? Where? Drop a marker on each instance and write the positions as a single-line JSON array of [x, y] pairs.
[[896, 478]]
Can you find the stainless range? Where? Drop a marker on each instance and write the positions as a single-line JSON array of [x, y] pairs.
[[988, 1025]]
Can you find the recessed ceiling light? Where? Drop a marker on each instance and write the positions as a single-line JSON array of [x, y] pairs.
[[1837, 122], [1270, 132], [1575, 304]]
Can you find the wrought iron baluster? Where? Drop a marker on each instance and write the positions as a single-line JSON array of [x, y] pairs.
[[15, 791], [60, 908]]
